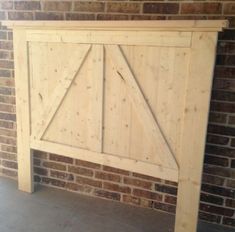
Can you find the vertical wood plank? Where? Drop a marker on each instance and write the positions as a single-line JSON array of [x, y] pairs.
[[25, 174], [96, 127], [197, 97]]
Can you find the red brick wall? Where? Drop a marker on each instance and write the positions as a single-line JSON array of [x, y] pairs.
[[218, 188]]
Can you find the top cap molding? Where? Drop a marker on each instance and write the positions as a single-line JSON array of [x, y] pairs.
[[175, 25]]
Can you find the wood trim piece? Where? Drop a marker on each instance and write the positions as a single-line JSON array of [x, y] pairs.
[[151, 38], [104, 159], [172, 25], [194, 129], [138, 99], [24, 156]]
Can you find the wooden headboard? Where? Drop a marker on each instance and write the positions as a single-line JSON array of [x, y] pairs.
[[130, 94]]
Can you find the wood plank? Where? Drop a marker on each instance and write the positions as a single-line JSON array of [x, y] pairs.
[[194, 130], [176, 25], [106, 159], [138, 99], [60, 91], [95, 129], [24, 156], [154, 38]]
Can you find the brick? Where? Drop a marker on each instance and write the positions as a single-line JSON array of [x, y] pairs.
[[137, 201], [123, 7], [224, 84], [230, 203], [88, 181], [164, 207], [112, 17], [161, 8], [229, 8], [6, 132], [7, 90], [217, 117], [170, 199], [230, 183], [8, 156], [10, 35], [116, 170], [219, 171], [171, 183], [57, 6], [59, 158], [107, 176], [224, 72], [7, 108], [27, 5], [108, 195], [228, 35], [40, 154], [9, 164], [201, 8], [216, 139], [15, 15], [8, 117], [54, 182], [217, 190], [228, 221], [225, 60], [233, 142], [116, 187], [9, 172], [5, 55], [37, 178], [49, 16], [6, 64], [2, 15], [36, 162], [4, 73], [6, 5], [220, 151], [89, 6], [6, 45], [166, 189], [87, 164], [233, 163], [7, 140], [62, 175], [141, 176], [7, 99], [224, 107], [147, 194], [216, 210], [137, 182], [79, 16], [80, 171], [231, 120], [209, 217], [226, 48], [41, 171], [211, 199], [79, 188], [8, 125], [7, 148], [219, 129], [53, 165], [218, 161]]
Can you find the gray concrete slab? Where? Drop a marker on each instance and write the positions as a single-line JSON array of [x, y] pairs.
[[53, 210]]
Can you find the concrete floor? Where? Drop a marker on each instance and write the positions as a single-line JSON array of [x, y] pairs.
[[52, 210]]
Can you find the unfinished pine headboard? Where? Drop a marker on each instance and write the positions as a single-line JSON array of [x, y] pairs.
[[132, 95]]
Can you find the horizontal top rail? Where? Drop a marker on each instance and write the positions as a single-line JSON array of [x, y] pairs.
[[172, 25]]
